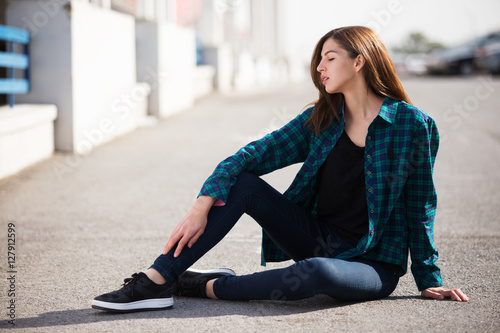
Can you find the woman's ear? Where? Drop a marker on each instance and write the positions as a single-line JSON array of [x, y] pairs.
[[359, 62]]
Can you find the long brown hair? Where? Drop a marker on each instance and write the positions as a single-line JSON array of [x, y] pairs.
[[379, 72]]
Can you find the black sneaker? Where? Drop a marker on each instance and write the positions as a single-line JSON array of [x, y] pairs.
[[192, 283], [138, 293]]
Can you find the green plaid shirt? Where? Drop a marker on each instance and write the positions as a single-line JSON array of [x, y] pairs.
[[401, 147]]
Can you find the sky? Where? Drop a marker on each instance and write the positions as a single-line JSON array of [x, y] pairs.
[[447, 21]]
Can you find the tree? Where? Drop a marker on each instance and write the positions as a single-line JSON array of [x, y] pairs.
[[417, 42]]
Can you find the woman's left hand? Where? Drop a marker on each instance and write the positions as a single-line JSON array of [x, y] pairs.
[[441, 293]]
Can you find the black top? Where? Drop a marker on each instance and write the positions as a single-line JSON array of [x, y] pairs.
[[342, 192]]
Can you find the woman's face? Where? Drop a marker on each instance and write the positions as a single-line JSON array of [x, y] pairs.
[[337, 69]]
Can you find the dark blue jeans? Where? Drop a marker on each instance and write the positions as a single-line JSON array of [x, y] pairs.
[[309, 242]]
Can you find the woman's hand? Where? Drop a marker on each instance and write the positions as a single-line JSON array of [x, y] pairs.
[[191, 227], [441, 293]]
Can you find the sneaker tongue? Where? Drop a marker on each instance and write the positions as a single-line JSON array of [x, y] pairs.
[[130, 282]]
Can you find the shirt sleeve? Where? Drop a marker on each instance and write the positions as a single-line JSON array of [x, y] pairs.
[[421, 201], [276, 150]]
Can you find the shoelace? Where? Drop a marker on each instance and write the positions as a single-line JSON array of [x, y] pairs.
[[129, 283]]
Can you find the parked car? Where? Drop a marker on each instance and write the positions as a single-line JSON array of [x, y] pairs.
[[460, 59], [489, 56], [416, 64]]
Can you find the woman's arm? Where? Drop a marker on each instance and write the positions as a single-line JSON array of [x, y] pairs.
[[281, 148], [421, 201], [191, 227]]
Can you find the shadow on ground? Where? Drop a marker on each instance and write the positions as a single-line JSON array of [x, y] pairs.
[[190, 308]]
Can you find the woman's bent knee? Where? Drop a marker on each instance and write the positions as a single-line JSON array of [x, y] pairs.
[[344, 280], [248, 180]]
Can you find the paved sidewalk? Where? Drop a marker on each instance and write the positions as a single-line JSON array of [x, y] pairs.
[[82, 225]]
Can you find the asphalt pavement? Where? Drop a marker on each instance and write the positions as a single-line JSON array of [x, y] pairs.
[[83, 224]]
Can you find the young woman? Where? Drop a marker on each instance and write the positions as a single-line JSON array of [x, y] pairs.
[[363, 197]]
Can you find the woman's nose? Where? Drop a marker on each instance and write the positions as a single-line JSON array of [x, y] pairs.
[[320, 67]]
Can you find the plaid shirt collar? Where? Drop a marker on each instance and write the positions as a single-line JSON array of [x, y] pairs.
[[387, 112]]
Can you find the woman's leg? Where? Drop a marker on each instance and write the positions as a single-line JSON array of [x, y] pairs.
[[294, 229], [351, 280]]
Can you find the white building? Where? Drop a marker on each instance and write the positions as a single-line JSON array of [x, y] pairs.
[[109, 65]]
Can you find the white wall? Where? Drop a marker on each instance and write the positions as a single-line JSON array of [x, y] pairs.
[[26, 136], [82, 60], [166, 59], [103, 72], [221, 57], [50, 31], [291, 35], [147, 61], [177, 62]]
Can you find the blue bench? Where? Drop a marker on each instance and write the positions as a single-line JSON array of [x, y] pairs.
[[13, 61]]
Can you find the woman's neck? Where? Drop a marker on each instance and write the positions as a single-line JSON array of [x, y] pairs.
[[361, 105]]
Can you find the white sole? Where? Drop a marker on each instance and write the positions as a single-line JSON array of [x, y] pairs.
[[213, 271], [149, 304]]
